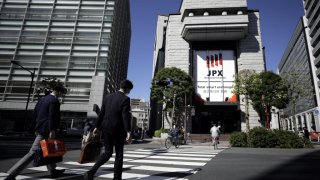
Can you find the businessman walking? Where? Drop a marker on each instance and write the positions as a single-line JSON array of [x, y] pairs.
[[114, 121]]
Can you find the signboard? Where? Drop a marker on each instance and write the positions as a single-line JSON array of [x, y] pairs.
[[214, 75]]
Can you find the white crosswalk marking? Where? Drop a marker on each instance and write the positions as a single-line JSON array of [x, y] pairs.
[[152, 164]]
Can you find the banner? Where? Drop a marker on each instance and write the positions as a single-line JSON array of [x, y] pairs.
[[214, 73]]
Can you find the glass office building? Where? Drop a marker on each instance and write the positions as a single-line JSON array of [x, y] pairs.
[[83, 43]]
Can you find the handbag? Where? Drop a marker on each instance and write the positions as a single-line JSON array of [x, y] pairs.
[[39, 160], [91, 151], [52, 147]]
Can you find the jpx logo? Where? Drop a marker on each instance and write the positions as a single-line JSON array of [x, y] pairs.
[[214, 61]]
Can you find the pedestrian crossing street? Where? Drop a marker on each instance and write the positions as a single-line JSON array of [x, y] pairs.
[[153, 164]]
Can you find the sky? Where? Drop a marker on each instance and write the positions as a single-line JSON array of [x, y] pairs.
[[278, 20]]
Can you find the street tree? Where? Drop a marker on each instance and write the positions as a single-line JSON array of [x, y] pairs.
[[169, 88], [45, 86], [300, 92], [268, 90], [242, 86]]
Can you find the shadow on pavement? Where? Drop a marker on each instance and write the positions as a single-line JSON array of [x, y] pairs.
[[302, 167]]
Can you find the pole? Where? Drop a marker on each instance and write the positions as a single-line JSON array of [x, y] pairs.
[[185, 116], [29, 94]]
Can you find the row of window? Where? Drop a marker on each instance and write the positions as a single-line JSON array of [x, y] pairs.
[[55, 17], [55, 23], [60, 40], [101, 2]]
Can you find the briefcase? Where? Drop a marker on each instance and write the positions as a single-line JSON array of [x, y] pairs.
[[52, 147], [90, 152], [39, 160]]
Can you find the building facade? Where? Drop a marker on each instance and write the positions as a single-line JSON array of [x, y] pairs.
[[140, 112], [211, 42], [83, 43], [302, 59]]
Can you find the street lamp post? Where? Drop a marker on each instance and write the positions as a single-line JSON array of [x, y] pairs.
[[30, 88]]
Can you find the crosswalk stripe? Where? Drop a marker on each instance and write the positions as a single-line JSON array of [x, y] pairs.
[[137, 167], [184, 163], [178, 158], [170, 154]]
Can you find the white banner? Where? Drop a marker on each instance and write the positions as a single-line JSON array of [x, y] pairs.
[[214, 75]]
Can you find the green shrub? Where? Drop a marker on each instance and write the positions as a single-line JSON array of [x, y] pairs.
[[288, 139], [238, 139], [157, 133], [262, 138]]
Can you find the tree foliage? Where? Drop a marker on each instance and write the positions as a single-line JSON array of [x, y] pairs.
[[182, 83], [45, 86]]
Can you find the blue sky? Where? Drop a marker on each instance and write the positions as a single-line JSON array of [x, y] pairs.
[[278, 20]]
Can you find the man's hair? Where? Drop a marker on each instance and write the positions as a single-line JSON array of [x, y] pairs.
[[126, 84], [60, 88]]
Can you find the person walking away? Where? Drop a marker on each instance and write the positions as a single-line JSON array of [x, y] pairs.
[[47, 120], [306, 133], [174, 134], [215, 136], [87, 134], [114, 121]]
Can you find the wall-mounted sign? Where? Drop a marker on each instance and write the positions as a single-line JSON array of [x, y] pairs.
[[214, 75]]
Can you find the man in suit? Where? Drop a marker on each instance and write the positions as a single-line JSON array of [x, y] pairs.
[[114, 121], [47, 121]]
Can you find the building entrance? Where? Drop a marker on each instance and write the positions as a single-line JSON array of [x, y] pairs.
[[227, 116]]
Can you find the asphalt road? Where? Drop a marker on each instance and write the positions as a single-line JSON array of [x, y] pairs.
[[229, 164]]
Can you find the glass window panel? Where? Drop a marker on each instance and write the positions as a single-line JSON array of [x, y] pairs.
[[32, 39], [33, 33], [83, 53], [80, 73], [11, 16], [79, 79], [37, 23], [107, 24], [68, 2], [15, 5], [66, 7], [6, 52], [62, 11], [39, 6], [42, 1], [59, 40], [89, 24], [63, 23], [52, 72], [110, 2], [110, 8], [31, 28], [85, 40], [12, 22], [82, 65], [27, 58], [61, 29], [7, 46], [9, 33], [22, 52], [85, 47], [86, 34], [91, 7], [104, 48], [95, 18], [38, 16], [91, 12], [57, 53], [61, 34], [88, 29], [62, 47], [17, 1], [54, 64], [64, 17], [93, 2], [30, 46]]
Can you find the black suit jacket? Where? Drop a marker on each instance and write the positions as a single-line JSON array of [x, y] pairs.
[[47, 115], [115, 115]]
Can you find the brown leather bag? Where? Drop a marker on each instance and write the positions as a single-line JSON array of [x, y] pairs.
[[90, 152]]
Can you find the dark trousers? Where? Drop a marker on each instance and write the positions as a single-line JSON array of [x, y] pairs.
[[110, 141]]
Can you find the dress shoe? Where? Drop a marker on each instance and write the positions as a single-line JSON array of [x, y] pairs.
[[88, 176], [56, 173]]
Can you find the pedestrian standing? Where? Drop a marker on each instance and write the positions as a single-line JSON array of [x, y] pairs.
[[306, 133], [47, 121], [87, 131], [174, 134], [114, 121], [215, 136]]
